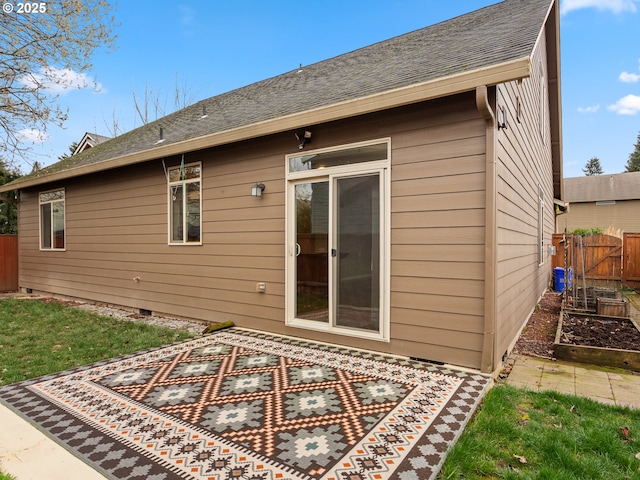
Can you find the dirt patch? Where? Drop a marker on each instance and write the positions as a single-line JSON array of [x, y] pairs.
[[536, 340], [59, 301], [604, 332], [539, 334]]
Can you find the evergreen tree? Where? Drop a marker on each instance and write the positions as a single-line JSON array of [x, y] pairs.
[[633, 164], [593, 167], [8, 202], [72, 148]]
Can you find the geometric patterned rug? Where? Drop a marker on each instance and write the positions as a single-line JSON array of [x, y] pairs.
[[242, 405]]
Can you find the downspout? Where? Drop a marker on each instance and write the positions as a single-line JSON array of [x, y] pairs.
[[488, 361]]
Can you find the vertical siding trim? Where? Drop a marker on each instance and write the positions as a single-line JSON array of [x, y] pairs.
[[488, 360]]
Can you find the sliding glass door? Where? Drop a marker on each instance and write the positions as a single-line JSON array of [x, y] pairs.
[[336, 265]]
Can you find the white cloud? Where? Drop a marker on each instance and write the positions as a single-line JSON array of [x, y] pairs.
[[32, 135], [627, 77], [187, 14], [615, 6], [60, 80], [591, 109], [629, 105]]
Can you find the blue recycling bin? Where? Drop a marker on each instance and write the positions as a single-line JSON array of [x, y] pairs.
[[558, 279]]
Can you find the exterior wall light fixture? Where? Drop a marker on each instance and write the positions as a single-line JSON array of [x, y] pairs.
[[503, 123], [257, 189], [303, 138]]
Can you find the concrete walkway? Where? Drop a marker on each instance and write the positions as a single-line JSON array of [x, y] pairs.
[[606, 385], [28, 454]]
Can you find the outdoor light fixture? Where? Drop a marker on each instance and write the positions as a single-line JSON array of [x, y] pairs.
[[303, 138], [502, 119], [257, 189]]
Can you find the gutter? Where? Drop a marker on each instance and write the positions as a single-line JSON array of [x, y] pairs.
[[488, 361], [441, 87]]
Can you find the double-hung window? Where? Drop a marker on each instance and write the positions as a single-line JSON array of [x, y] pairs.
[[185, 189], [52, 220]]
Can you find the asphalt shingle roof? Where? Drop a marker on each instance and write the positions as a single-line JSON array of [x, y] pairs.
[[597, 188], [493, 35]]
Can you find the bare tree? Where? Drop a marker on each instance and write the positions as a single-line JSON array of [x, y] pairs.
[[183, 94], [113, 126], [151, 105], [45, 51]]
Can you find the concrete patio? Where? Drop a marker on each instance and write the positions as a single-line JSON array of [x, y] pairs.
[[611, 386]]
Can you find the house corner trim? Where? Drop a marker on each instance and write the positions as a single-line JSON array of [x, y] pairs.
[[488, 360]]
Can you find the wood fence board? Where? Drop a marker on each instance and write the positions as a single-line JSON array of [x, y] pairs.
[[8, 263], [596, 259], [631, 262]]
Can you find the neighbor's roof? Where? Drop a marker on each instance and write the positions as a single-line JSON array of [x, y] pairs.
[[89, 140], [598, 188], [485, 47]]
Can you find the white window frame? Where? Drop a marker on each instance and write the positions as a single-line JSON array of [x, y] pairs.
[[540, 226], [51, 220], [183, 183], [381, 167]]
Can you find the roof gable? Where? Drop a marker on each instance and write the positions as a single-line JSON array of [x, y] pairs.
[[89, 140], [488, 46]]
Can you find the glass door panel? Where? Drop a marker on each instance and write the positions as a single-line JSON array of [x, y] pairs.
[[312, 251], [356, 252]]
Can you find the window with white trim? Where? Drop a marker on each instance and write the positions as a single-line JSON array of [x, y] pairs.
[[185, 193], [540, 225], [52, 236]]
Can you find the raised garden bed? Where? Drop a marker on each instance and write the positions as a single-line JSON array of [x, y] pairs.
[[598, 340]]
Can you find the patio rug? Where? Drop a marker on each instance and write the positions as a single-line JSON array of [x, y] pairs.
[[241, 405]]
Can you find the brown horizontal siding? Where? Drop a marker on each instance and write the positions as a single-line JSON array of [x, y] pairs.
[[451, 322], [439, 253], [437, 237], [524, 164], [450, 270], [459, 287], [118, 231]]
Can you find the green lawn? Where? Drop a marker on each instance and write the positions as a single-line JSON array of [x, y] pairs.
[[520, 434], [515, 434], [37, 338]]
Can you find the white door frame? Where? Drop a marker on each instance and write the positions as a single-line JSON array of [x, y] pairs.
[[381, 168]]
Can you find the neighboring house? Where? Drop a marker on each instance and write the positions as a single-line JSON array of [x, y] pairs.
[[398, 198], [89, 140], [602, 201]]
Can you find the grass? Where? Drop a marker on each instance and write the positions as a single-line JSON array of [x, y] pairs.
[[520, 434], [38, 338], [558, 436]]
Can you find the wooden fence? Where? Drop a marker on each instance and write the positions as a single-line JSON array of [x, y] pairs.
[[631, 261], [600, 260], [8, 263]]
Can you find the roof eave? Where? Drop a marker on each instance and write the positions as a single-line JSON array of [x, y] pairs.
[[441, 87]]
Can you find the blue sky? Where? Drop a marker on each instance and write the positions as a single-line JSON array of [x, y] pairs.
[[208, 47]]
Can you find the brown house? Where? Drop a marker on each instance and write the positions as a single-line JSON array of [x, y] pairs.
[[398, 198], [602, 201]]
